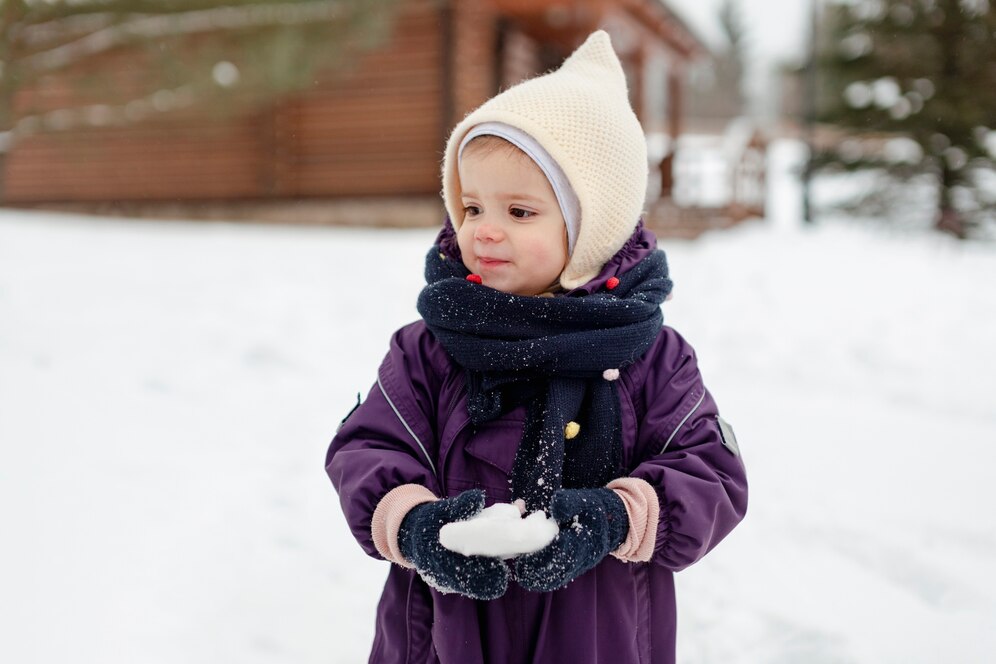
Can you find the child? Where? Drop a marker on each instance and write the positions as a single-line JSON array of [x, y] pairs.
[[541, 374]]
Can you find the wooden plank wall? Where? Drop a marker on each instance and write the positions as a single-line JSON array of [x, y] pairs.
[[474, 45], [378, 131], [142, 163], [520, 57]]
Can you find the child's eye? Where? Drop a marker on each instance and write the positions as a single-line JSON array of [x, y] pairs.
[[471, 210], [519, 213]]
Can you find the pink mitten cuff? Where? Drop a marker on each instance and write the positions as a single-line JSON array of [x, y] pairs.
[[643, 509], [387, 518]]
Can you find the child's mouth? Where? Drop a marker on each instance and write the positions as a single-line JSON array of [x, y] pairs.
[[491, 262]]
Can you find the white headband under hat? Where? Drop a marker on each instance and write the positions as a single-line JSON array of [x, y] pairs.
[[580, 115], [570, 206]]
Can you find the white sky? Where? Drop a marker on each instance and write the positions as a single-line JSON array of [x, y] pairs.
[[776, 29]]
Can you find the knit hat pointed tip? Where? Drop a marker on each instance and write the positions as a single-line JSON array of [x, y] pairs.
[[599, 39], [596, 50], [598, 42]]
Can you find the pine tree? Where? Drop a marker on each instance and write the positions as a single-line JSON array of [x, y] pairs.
[[226, 55], [924, 70]]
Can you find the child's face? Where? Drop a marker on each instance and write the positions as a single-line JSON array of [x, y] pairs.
[[513, 233]]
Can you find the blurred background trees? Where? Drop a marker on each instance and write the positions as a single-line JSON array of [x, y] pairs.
[[227, 55], [134, 101], [911, 84], [717, 86], [134, 125]]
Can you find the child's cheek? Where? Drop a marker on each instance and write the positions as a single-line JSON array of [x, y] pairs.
[[548, 253], [466, 248]]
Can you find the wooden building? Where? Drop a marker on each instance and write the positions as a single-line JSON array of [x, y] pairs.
[[376, 131]]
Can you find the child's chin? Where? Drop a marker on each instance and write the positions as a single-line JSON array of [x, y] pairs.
[[505, 286]]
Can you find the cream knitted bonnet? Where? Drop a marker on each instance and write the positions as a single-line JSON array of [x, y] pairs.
[[580, 114]]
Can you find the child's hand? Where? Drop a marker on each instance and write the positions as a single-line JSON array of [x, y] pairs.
[[477, 577], [593, 522]]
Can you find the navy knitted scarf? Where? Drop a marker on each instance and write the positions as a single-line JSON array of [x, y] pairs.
[[548, 353]]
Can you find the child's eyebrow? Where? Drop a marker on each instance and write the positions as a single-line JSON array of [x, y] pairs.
[[522, 197]]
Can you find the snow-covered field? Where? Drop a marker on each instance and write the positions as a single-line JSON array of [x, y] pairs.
[[167, 391]]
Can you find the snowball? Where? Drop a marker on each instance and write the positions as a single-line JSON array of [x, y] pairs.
[[499, 531]]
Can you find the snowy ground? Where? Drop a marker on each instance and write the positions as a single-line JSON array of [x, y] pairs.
[[167, 391]]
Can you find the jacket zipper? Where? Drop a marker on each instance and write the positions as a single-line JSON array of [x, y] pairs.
[[411, 432], [682, 422]]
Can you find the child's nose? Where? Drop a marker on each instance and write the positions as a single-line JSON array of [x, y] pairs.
[[487, 231]]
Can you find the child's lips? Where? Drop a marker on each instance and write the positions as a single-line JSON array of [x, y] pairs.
[[491, 262]]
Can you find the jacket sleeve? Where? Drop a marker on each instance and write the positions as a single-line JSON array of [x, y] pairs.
[[688, 456], [388, 440]]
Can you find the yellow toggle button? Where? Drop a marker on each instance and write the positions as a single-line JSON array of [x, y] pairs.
[[571, 430]]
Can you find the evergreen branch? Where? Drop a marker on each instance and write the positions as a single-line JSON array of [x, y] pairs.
[[139, 27], [40, 12], [35, 35]]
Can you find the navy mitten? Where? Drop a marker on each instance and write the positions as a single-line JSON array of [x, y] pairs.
[[477, 577], [593, 523]]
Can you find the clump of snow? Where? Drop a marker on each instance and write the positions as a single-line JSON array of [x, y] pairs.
[[499, 531]]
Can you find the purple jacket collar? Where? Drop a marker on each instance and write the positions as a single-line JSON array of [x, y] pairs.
[[640, 244]]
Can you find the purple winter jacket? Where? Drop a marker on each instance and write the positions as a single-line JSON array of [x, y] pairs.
[[414, 428]]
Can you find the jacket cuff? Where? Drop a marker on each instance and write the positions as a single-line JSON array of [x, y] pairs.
[[643, 510], [387, 518]]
